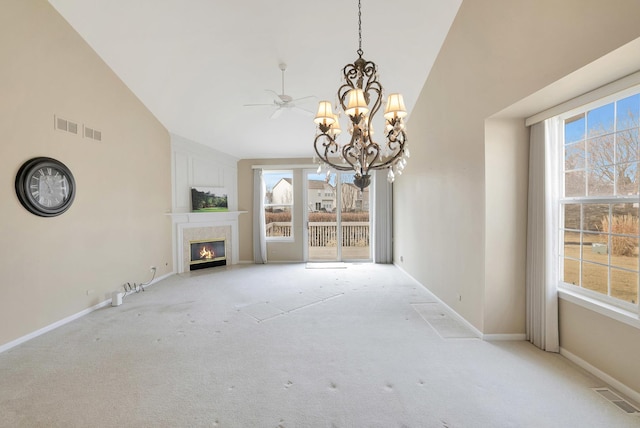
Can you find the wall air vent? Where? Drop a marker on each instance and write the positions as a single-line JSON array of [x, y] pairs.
[[65, 125], [620, 402], [94, 134], [72, 127]]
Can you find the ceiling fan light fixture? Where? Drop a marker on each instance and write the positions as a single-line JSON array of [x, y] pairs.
[[360, 98]]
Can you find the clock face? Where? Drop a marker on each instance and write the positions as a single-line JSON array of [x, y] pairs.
[[45, 187]]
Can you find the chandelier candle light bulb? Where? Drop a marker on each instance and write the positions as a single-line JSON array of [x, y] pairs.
[[335, 126], [357, 104], [360, 97], [325, 115], [395, 107]]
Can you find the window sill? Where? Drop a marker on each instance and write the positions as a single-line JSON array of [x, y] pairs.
[[622, 315]]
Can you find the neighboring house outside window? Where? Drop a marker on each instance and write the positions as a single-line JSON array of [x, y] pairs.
[[599, 201], [278, 205], [320, 196]]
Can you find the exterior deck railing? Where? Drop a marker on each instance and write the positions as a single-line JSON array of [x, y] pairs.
[[279, 229], [325, 234]]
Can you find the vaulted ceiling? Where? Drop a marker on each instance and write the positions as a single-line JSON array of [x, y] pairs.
[[196, 63]]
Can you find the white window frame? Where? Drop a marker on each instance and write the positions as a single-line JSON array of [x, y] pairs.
[[615, 308], [290, 238]]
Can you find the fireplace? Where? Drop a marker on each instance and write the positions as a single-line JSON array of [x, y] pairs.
[[207, 253], [192, 227]]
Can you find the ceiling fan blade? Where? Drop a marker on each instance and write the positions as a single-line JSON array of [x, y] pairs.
[[258, 105], [276, 96], [305, 98], [276, 114]]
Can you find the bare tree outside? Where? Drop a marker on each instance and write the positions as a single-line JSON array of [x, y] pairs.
[[601, 155]]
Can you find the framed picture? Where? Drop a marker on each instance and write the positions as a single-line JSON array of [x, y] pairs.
[[209, 199]]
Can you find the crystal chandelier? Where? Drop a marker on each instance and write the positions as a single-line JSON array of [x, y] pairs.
[[360, 98]]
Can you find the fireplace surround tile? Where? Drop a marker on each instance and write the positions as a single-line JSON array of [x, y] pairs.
[[202, 226]]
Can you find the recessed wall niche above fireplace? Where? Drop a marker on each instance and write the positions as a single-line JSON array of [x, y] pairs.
[[207, 253]]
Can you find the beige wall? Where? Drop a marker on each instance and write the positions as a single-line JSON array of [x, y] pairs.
[[276, 251], [609, 345], [506, 157], [497, 52], [116, 228]]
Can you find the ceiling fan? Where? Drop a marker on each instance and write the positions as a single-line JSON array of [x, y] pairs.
[[283, 101]]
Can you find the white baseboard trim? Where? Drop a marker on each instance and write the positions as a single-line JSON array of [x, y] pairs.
[[53, 326], [616, 384], [504, 337], [449, 310], [66, 320], [463, 321]]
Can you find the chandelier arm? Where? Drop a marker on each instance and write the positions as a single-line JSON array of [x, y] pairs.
[[369, 161], [338, 167], [370, 70], [398, 153], [343, 92], [373, 149], [329, 147], [375, 87], [350, 72], [350, 150], [347, 155], [393, 139]]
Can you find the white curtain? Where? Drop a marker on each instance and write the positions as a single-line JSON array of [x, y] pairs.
[[259, 236], [542, 237], [382, 218]]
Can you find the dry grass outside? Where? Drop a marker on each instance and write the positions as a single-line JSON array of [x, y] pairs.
[[277, 217], [285, 216], [623, 225], [344, 217], [624, 284]]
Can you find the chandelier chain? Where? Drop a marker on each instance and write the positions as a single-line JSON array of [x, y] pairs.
[[360, 52]]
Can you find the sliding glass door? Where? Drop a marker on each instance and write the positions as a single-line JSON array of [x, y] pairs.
[[337, 219]]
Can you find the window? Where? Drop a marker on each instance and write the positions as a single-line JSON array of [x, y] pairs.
[[599, 199], [278, 204]]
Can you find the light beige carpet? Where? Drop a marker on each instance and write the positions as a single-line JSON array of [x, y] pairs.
[[326, 265], [286, 346]]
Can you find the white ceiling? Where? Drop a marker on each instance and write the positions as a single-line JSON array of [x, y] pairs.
[[195, 63]]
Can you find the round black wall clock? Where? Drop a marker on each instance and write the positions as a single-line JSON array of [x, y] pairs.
[[45, 186]]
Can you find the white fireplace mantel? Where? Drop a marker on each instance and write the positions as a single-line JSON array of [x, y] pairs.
[[190, 220]]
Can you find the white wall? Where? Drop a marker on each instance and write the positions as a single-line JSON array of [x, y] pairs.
[[193, 165]]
